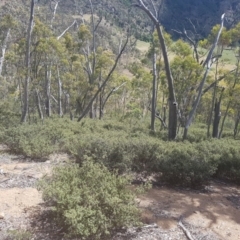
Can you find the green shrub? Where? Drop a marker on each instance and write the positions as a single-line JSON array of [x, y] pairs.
[[186, 164], [89, 200], [122, 147], [229, 164], [197, 135]]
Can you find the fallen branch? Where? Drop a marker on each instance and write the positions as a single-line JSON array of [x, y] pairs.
[[186, 232]]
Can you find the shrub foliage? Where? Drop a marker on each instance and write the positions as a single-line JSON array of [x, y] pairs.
[[89, 200], [125, 148]]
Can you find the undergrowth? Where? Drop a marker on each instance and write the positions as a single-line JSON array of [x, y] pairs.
[[126, 148], [90, 201]]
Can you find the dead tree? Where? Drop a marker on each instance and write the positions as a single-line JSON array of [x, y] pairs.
[[207, 64], [173, 106], [192, 40]]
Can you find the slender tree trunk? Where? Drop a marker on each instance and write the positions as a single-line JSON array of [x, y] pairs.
[[154, 88], [236, 124], [213, 101], [39, 108], [28, 64], [217, 117], [100, 102], [211, 111], [54, 10], [91, 112], [48, 90], [224, 118], [60, 111], [4, 47], [67, 103]]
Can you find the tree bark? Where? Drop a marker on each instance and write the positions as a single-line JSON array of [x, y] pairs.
[[48, 90], [28, 64], [60, 111], [39, 108], [154, 89], [236, 124], [224, 118], [217, 116], [211, 111], [213, 101]]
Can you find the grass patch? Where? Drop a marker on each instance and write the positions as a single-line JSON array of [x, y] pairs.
[[143, 46]]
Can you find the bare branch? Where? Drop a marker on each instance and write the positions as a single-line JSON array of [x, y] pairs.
[[54, 99], [194, 28], [154, 8], [111, 92], [54, 11], [98, 23], [218, 80], [209, 57], [62, 34], [186, 232]]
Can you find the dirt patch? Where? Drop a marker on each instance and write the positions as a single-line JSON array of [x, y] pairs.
[[215, 210]]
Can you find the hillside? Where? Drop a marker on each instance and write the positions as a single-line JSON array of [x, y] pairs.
[[203, 14], [174, 14]]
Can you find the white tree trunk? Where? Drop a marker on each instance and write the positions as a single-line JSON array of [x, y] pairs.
[[4, 47]]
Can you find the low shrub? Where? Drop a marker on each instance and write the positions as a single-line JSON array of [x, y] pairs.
[[89, 200], [229, 163], [121, 147], [185, 164]]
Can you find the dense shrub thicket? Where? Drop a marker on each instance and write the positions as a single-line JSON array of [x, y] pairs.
[[89, 200], [119, 146]]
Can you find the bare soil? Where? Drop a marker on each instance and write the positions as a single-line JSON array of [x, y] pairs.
[[212, 213]]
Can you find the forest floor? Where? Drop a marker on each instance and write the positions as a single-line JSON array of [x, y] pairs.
[[211, 213]]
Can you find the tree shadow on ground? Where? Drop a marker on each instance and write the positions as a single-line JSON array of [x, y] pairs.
[[217, 207]]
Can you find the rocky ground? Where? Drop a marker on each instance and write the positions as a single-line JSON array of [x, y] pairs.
[[209, 214]]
